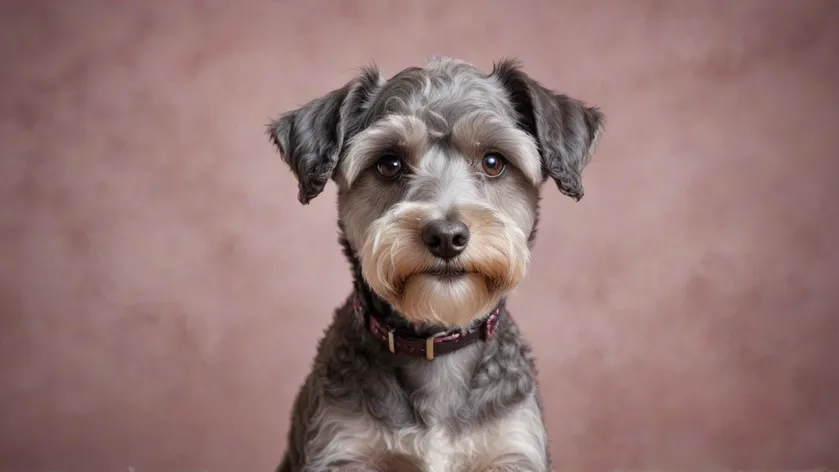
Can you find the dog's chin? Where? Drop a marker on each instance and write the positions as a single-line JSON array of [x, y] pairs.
[[445, 274], [449, 298]]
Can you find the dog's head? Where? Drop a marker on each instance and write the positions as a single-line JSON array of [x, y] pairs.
[[438, 172]]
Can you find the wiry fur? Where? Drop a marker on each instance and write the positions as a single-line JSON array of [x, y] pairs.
[[363, 408]]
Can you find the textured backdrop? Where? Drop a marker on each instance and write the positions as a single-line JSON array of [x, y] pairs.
[[161, 290]]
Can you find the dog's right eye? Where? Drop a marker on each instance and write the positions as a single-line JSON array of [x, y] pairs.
[[390, 166]]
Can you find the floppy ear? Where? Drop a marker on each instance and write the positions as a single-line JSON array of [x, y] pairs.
[[311, 138], [566, 130]]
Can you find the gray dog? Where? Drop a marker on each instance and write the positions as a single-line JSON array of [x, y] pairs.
[[439, 172]]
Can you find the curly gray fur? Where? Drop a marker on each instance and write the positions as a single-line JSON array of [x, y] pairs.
[[363, 408]]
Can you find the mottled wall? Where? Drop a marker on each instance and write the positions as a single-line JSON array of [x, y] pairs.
[[161, 290]]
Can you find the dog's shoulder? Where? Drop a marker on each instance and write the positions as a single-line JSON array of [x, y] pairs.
[[506, 375]]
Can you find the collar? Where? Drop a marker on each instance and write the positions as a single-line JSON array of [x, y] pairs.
[[437, 344]]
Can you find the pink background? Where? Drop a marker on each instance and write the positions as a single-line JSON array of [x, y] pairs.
[[161, 290]]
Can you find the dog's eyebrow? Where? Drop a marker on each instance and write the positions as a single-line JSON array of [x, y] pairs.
[[403, 135], [481, 132]]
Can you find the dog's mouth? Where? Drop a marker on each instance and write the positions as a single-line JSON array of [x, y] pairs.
[[447, 272]]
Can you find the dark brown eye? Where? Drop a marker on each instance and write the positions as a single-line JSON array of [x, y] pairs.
[[390, 166], [493, 164]]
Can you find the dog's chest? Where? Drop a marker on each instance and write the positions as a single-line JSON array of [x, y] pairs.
[[438, 448], [448, 438], [439, 391]]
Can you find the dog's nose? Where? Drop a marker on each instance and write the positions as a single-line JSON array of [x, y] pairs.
[[445, 238]]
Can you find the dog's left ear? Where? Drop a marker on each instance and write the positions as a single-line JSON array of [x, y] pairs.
[[310, 139], [566, 130]]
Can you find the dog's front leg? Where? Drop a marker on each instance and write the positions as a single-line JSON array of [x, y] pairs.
[[338, 465], [343, 467], [514, 468], [512, 463], [386, 463]]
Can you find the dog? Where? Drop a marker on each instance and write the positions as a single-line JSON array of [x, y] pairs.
[[438, 172]]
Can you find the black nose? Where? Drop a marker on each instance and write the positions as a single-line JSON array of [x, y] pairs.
[[445, 238]]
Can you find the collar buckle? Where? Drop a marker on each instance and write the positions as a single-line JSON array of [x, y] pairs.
[[391, 342], [429, 345]]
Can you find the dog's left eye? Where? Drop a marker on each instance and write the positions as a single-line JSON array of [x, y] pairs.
[[390, 166], [493, 164]]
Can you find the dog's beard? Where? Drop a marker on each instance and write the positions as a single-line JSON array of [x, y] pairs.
[[399, 268]]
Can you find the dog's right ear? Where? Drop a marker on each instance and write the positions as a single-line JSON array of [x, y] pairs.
[[311, 138]]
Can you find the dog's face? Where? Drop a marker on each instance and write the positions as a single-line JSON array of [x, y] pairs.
[[439, 171]]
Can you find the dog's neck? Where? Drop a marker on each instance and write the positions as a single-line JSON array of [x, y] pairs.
[[438, 389]]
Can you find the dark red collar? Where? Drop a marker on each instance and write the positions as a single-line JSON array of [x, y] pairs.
[[432, 346]]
